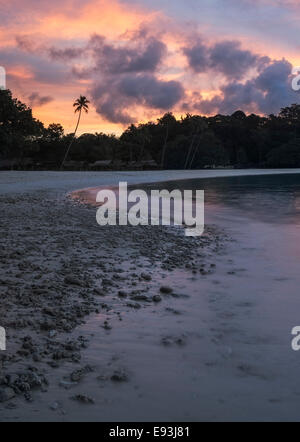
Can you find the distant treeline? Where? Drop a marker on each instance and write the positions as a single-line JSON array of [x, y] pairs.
[[189, 143]]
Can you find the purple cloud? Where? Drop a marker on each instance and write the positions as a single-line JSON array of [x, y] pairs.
[[35, 99], [114, 96], [227, 58], [267, 93]]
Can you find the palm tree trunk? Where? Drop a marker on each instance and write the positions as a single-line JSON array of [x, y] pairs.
[[73, 139], [164, 148], [189, 152], [194, 154]]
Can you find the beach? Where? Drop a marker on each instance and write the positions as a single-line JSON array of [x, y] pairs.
[[119, 323]]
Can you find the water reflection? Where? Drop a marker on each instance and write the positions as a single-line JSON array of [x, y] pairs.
[[270, 198]]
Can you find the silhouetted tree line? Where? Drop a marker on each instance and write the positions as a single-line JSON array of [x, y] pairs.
[[192, 142]]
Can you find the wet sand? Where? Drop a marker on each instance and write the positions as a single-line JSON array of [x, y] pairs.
[[129, 324], [58, 267]]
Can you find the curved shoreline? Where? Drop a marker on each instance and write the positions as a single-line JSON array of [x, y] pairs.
[[58, 268], [203, 318], [88, 195], [19, 182]]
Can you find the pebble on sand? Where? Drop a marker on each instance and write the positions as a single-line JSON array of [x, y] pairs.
[[6, 394], [166, 290]]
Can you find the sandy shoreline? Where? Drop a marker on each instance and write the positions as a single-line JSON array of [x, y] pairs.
[[57, 268], [91, 335], [57, 182]]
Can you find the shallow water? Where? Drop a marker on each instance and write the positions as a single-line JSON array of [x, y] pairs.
[[237, 362], [269, 198]]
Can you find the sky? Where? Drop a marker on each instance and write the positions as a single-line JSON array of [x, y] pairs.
[[136, 60]]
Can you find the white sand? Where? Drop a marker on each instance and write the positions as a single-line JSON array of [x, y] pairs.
[[15, 182]]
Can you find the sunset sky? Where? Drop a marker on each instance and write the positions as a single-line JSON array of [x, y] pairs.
[[136, 60]]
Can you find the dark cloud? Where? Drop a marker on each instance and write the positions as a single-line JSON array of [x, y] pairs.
[[227, 58], [151, 91], [198, 57], [35, 99], [67, 54], [275, 84], [267, 93], [27, 43], [115, 95], [113, 108], [122, 75], [143, 55], [128, 78]]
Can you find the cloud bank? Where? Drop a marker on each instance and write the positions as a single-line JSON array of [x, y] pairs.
[[135, 61]]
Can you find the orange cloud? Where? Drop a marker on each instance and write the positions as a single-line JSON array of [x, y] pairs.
[[72, 23]]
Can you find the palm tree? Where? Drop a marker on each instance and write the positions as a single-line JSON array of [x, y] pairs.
[[82, 103]]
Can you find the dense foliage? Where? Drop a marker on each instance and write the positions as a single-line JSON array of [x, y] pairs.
[[191, 142]]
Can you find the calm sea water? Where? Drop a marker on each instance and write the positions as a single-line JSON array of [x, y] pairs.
[[253, 300], [271, 198], [237, 363]]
